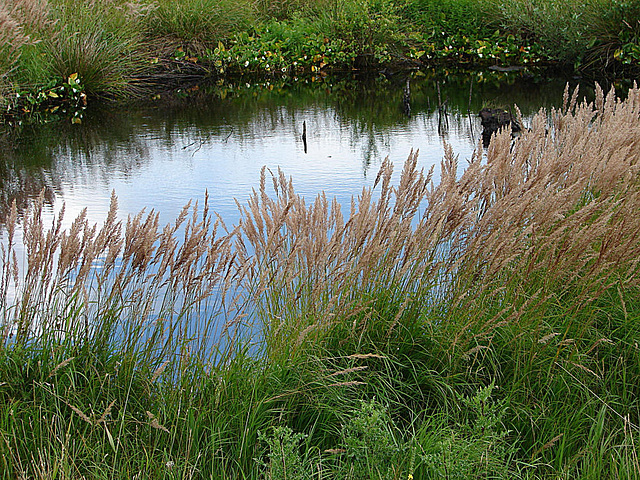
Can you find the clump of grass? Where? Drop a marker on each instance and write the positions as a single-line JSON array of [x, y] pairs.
[[12, 38], [120, 48], [615, 33], [105, 62], [581, 34], [371, 31], [98, 41], [560, 26], [199, 24], [451, 17], [130, 347]]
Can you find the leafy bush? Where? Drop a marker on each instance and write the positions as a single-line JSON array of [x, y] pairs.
[[449, 17], [372, 451], [475, 449], [285, 460]]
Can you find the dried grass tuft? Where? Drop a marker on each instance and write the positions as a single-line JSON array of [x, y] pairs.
[[153, 421], [557, 208]]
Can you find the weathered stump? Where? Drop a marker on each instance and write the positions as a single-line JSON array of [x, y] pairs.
[[494, 119]]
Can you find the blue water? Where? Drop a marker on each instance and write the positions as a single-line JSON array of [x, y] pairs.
[[159, 157]]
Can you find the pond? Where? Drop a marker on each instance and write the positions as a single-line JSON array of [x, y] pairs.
[[160, 154]]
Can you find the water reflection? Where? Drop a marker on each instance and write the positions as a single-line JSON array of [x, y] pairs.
[[159, 156]]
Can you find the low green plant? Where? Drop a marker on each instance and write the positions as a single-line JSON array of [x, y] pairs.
[[65, 99], [285, 462], [477, 448], [371, 448], [287, 9]]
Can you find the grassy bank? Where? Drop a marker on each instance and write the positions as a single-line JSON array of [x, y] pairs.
[[119, 49], [485, 327]]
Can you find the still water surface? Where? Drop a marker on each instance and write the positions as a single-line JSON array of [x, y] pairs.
[[159, 156]]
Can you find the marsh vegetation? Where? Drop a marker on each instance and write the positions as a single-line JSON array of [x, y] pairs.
[[119, 49], [482, 327]]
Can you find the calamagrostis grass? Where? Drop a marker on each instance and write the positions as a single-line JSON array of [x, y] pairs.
[[12, 37], [559, 206], [562, 200]]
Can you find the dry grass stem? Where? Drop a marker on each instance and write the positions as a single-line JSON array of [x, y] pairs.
[[60, 366], [159, 371], [106, 413], [557, 208], [80, 414], [153, 421]]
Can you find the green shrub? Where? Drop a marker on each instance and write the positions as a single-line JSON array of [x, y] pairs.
[[449, 17], [372, 451], [197, 24], [477, 448], [285, 461]]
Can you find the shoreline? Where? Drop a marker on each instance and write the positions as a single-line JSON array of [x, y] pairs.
[[119, 50]]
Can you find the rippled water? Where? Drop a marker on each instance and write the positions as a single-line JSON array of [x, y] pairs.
[[159, 156]]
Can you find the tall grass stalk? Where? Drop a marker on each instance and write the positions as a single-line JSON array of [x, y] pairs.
[[128, 347], [12, 38]]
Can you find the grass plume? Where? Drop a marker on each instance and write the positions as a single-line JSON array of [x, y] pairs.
[[169, 348]]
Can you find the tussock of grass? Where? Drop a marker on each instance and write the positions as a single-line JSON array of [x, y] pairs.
[[201, 24], [575, 32], [100, 41], [486, 324]]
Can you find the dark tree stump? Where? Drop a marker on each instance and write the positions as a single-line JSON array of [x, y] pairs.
[[494, 119]]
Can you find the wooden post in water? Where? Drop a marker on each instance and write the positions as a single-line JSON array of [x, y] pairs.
[[443, 119], [469, 109], [304, 135], [406, 98]]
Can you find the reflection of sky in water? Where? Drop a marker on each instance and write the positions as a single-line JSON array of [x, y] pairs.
[[341, 159], [160, 159]]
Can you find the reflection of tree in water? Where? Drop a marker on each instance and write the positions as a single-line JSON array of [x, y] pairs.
[[22, 177], [107, 143], [374, 107], [370, 150], [369, 111], [41, 158]]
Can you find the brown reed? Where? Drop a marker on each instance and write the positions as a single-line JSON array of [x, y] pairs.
[[12, 37], [558, 207]]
